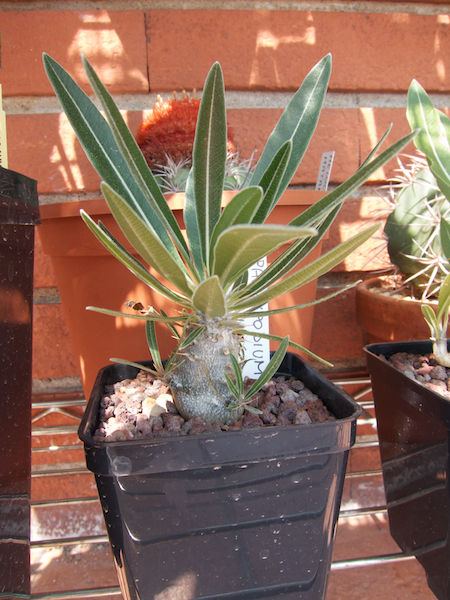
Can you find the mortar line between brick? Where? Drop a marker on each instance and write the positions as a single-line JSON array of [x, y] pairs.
[[29, 105], [421, 8]]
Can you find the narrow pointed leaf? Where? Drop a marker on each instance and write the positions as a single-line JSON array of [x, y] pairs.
[[271, 181], [278, 311], [140, 317], [119, 252], [135, 160], [315, 269], [130, 363], [277, 338], [432, 139], [144, 240], [209, 157], [152, 342], [241, 246], [192, 231], [209, 299], [190, 338], [98, 142], [241, 209], [322, 214], [297, 123], [445, 238], [270, 370], [237, 374], [288, 260], [431, 320], [444, 298], [233, 389]]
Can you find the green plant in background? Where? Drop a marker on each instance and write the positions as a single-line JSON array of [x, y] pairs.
[[207, 271], [433, 140], [413, 230]]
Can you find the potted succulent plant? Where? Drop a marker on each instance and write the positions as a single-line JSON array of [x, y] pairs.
[[86, 272], [228, 512], [409, 381], [388, 307]]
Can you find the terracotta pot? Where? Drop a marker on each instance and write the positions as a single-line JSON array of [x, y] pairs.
[[387, 319], [87, 275]]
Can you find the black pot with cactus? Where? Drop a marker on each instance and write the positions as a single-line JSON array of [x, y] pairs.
[[207, 514]]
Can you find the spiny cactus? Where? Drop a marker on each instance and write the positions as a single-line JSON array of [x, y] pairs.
[[413, 230], [205, 270]]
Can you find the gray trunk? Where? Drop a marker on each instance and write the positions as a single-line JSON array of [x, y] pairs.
[[198, 385]]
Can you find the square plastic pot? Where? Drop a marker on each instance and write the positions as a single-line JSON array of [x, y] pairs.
[[413, 427], [235, 515]]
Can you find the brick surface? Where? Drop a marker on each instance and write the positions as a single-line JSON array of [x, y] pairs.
[[357, 214], [52, 350], [337, 130], [44, 146], [113, 41], [275, 49]]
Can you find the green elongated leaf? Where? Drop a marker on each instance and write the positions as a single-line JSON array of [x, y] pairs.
[[209, 299], [277, 338], [119, 252], [152, 342], [321, 215], [377, 147], [431, 320], [241, 209], [270, 370], [237, 374], [233, 389], [191, 337], [287, 261], [237, 389], [445, 238], [171, 328], [271, 181], [140, 317], [310, 272], [135, 161], [130, 363], [297, 123], [444, 299], [337, 197], [241, 246], [100, 146], [432, 139], [209, 157], [145, 241], [278, 311], [192, 232]]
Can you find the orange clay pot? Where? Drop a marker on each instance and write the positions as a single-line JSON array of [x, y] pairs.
[[87, 275], [388, 319]]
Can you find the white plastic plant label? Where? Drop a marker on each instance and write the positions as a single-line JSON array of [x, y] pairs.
[[256, 349]]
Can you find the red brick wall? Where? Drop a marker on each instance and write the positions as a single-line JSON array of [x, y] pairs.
[[264, 54]]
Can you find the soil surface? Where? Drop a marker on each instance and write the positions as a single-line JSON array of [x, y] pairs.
[[423, 368], [143, 408]]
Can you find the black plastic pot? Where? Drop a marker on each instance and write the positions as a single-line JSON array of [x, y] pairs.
[[19, 213], [242, 515], [413, 427]]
